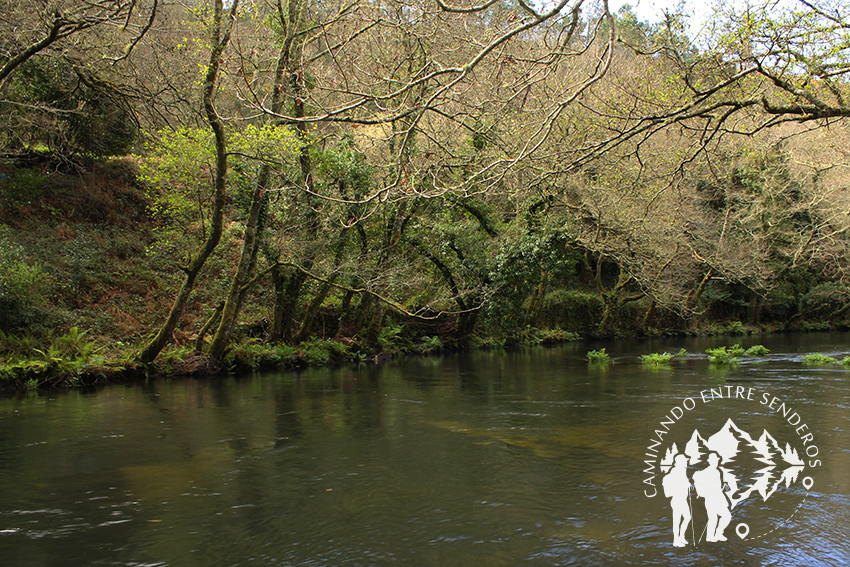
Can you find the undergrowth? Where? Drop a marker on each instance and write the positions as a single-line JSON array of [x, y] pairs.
[[65, 360]]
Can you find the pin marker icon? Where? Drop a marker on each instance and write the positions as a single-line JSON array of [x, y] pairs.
[[742, 530]]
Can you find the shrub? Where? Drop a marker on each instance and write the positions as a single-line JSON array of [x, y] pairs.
[[736, 328], [429, 345], [22, 286], [825, 300], [598, 356], [819, 359], [254, 354], [557, 335], [318, 352], [736, 350], [571, 310], [720, 356], [730, 328], [21, 189], [96, 122], [656, 359], [389, 338], [756, 350]]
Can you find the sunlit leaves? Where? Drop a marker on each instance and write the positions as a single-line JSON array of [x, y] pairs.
[[179, 169]]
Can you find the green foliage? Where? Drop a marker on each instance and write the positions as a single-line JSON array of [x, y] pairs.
[[598, 356], [345, 168], [722, 356], [825, 300], [21, 189], [756, 350], [179, 172], [818, 358], [86, 264], [517, 267], [488, 342], [180, 169], [74, 343], [429, 345], [318, 352], [255, 354], [64, 361], [656, 359], [92, 118], [682, 352], [571, 309], [729, 355], [173, 355], [536, 336], [22, 285], [731, 327], [390, 337], [736, 328], [736, 350]]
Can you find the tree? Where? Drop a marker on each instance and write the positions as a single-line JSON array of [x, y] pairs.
[[767, 66], [220, 37], [52, 84]]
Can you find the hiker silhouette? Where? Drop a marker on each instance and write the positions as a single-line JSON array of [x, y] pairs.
[[709, 483], [677, 487]]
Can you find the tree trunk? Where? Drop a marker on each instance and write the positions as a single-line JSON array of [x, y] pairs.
[[392, 235], [247, 259], [324, 290], [695, 294], [279, 283], [288, 304], [233, 302], [155, 346], [613, 302], [648, 316]]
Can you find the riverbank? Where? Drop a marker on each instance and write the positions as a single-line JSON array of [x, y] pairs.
[[91, 269], [74, 360]]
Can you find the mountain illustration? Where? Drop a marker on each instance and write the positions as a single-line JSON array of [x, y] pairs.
[[726, 441], [790, 475], [766, 445], [764, 484], [696, 449], [790, 456], [749, 465], [666, 463]]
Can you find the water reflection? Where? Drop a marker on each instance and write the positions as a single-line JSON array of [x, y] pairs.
[[487, 459]]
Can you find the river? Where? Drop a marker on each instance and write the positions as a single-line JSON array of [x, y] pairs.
[[532, 457]]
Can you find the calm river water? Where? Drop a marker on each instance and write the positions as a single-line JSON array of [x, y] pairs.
[[481, 459]]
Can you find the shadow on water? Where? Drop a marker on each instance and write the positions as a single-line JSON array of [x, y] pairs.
[[530, 457]]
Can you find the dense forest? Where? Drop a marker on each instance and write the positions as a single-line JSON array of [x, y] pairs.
[[192, 186]]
